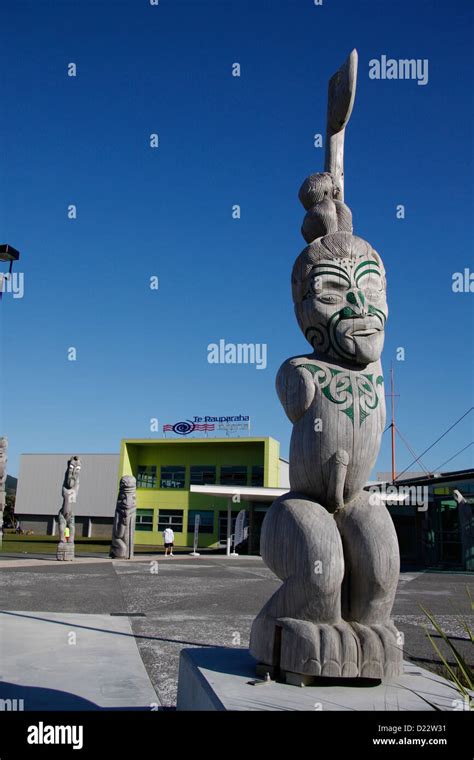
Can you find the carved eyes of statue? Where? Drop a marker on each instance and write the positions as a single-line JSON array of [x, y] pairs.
[[372, 289], [319, 287], [329, 297]]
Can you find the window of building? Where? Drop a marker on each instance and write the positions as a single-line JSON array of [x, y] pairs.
[[203, 474], [207, 520], [234, 476], [171, 518], [146, 476], [173, 476], [257, 476], [144, 519]]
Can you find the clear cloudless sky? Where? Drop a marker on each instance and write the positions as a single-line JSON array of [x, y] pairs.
[[223, 140]]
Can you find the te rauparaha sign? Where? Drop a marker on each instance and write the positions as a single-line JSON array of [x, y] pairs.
[[209, 424]]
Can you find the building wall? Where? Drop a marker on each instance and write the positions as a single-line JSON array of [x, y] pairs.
[[41, 478], [218, 452], [272, 463], [284, 481], [102, 527], [39, 524], [99, 527]]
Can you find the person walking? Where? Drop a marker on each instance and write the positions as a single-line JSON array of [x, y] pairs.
[[168, 538]]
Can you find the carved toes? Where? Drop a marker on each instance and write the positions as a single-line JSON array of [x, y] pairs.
[[381, 650], [336, 650], [328, 650]]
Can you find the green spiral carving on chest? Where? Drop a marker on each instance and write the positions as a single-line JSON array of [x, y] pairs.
[[338, 387]]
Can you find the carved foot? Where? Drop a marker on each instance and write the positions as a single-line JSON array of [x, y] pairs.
[[381, 649], [339, 650], [319, 649]]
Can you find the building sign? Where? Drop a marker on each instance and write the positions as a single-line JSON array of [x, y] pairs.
[[209, 424]]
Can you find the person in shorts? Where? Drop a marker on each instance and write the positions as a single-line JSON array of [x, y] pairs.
[[168, 538]]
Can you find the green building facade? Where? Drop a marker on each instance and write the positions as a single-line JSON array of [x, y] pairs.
[[166, 468]]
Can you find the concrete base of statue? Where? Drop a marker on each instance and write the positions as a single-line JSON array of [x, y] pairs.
[[65, 551], [218, 678]]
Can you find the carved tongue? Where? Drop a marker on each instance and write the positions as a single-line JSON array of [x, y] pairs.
[[341, 93]]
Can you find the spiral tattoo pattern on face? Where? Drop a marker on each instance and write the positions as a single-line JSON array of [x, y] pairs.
[[348, 289], [318, 337]]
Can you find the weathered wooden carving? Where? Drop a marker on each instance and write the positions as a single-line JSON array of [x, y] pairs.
[[70, 489], [335, 551], [124, 521]]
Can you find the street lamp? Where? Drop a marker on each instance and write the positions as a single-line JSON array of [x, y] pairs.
[[7, 253]]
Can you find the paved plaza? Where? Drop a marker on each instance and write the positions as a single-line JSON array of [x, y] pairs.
[[108, 634]]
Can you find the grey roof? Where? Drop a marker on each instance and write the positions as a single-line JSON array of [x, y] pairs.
[[41, 478]]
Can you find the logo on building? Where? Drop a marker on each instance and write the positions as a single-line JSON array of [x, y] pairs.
[[209, 424], [186, 427]]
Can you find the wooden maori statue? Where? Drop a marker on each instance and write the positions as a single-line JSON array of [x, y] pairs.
[[65, 550], [335, 551], [124, 521]]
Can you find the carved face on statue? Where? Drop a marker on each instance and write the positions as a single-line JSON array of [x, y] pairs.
[[349, 306], [340, 300], [127, 490], [72, 473]]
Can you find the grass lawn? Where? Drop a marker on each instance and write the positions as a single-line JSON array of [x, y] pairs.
[[14, 543], [38, 544]]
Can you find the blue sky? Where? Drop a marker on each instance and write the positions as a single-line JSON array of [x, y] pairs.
[[167, 212]]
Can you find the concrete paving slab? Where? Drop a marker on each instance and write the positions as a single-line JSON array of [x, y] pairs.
[[218, 679], [42, 561], [61, 661]]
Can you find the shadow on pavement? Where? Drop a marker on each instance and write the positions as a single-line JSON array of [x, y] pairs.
[[15, 698], [68, 624]]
